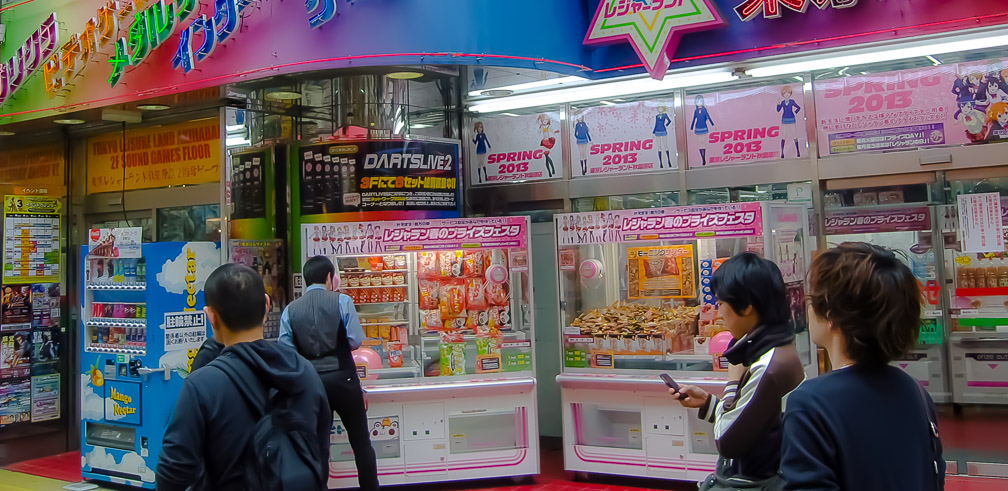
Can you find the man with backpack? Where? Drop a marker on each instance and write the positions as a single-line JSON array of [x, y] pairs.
[[324, 328], [256, 417]]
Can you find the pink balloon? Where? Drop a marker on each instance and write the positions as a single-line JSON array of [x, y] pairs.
[[370, 359], [719, 343]]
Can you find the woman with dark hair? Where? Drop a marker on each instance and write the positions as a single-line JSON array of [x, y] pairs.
[[865, 310], [764, 368]]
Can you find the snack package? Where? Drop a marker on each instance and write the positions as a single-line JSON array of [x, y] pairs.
[[503, 316], [427, 264], [473, 263], [477, 319], [452, 350], [376, 263], [497, 294], [475, 294], [431, 320], [395, 354], [452, 298], [450, 264], [428, 294], [488, 344], [384, 331], [456, 323]]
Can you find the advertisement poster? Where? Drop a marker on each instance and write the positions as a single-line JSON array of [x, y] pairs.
[[840, 221], [115, 242], [652, 224], [31, 239], [16, 306], [950, 104], [248, 185], [15, 354], [742, 126], [38, 168], [622, 138], [508, 149], [661, 272], [15, 396], [161, 156], [980, 225], [379, 176], [267, 258], [46, 346], [45, 391], [45, 304]]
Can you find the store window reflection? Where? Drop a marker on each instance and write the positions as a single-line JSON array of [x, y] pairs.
[[760, 192], [626, 202], [188, 223]]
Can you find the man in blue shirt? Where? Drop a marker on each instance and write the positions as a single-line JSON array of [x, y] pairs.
[[323, 327]]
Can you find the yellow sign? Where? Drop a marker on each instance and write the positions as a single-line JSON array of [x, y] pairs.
[[32, 239], [171, 155], [35, 170], [661, 272]]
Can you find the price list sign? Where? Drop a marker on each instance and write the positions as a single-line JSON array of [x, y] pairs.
[[31, 239]]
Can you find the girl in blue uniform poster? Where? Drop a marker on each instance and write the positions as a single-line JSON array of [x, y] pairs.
[[699, 126], [660, 132], [583, 138], [547, 142], [482, 145], [789, 128]]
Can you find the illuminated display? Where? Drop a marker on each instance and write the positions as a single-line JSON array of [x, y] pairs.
[[771, 9], [39, 46]]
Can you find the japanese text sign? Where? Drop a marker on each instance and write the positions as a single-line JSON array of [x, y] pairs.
[[682, 222]]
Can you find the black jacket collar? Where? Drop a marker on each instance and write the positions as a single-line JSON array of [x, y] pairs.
[[761, 339]]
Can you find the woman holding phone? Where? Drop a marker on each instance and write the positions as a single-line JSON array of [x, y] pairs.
[[764, 368]]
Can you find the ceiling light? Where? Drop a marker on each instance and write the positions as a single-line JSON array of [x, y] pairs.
[[420, 125], [513, 115], [68, 121], [6, 133], [539, 84], [626, 87], [153, 107], [879, 55], [404, 75], [495, 92], [283, 95], [237, 142]]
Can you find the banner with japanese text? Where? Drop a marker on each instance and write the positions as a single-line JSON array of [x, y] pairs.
[[651, 224], [951, 104], [916, 218], [627, 138], [32, 170], [160, 156], [505, 149], [742, 126]]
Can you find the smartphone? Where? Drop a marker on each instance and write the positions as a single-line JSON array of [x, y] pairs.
[[669, 382]]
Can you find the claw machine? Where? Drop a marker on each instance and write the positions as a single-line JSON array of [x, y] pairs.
[[447, 363], [635, 302], [142, 322], [906, 220], [978, 341]]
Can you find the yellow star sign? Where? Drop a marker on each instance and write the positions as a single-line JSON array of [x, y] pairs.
[[652, 27]]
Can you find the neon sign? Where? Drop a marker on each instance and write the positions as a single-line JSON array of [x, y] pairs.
[[652, 27], [29, 57], [149, 30], [214, 30], [771, 9]]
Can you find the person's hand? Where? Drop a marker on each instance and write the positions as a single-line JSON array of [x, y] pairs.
[[735, 371], [689, 395]]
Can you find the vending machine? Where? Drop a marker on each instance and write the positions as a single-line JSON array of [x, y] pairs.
[[142, 322]]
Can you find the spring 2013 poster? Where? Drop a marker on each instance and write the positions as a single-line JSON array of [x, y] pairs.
[[622, 138], [506, 149], [742, 126]]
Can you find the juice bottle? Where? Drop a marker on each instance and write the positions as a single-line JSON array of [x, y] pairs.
[[962, 277], [1002, 273], [992, 274]]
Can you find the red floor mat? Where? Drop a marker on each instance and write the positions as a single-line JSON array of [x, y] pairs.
[[65, 467]]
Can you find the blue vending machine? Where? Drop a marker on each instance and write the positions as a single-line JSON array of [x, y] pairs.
[[142, 322]]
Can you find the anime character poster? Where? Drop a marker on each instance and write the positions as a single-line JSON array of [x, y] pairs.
[[266, 257], [505, 149], [743, 126], [45, 304], [628, 138], [16, 305], [15, 354], [949, 104]]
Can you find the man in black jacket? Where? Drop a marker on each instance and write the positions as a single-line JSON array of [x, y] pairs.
[[323, 326], [207, 442]]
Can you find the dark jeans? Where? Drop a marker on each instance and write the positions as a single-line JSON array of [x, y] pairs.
[[346, 398]]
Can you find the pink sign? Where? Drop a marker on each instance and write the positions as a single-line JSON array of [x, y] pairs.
[[622, 139], [941, 105], [917, 218], [681, 222], [337, 239], [751, 125]]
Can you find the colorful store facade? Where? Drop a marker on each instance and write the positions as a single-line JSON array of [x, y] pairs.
[[429, 151]]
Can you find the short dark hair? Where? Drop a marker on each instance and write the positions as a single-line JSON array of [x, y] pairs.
[[870, 296], [316, 270], [747, 279], [237, 295]]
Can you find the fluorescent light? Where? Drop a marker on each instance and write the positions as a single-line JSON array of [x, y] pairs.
[[153, 107], [933, 60], [68, 121], [283, 95], [237, 142], [879, 55], [513, 115], [539, 84], [418, 126], [626, 87], [607, 103], [234, 127], [404, 75], [6, 133]]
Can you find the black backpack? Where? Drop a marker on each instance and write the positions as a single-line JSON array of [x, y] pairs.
[[283, 453]]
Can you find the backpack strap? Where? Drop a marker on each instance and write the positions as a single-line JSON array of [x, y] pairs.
[[240, 373], [932, 420]]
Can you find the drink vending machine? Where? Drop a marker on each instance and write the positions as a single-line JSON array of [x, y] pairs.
[[142, 322]]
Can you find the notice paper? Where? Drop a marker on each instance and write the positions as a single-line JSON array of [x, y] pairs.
[[980, 224]]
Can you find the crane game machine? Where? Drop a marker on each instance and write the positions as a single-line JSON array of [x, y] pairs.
[[141, 323]]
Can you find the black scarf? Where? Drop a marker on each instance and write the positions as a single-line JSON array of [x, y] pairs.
[[761, 339]]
